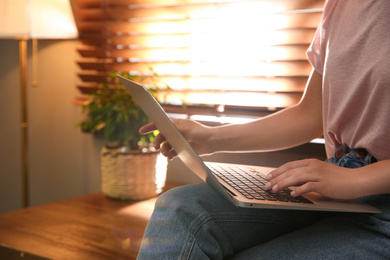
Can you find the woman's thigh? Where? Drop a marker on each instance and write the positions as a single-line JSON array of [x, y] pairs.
[[195, 222], [339, 236]]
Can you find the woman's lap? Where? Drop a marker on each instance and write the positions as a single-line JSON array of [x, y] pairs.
[[195, 222], [336, 236]]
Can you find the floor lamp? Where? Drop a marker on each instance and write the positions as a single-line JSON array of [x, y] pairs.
[[23, 20]]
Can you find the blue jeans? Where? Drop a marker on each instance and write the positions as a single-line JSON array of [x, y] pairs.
[[195, 222]]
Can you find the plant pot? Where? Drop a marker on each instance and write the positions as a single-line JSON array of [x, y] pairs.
[[132, 175]]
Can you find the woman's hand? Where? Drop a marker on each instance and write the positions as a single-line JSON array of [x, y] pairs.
[[317, 176], [195, 133]]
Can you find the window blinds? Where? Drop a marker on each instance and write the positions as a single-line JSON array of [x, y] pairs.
[[234, 56]]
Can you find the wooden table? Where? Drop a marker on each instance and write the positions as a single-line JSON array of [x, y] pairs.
[[82, 228]]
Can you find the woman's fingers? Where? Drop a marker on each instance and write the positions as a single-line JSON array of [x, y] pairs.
[[148, 128], [289, 174], [305, 188], [287, 167], [294, 179], [158, 140], [194, 132], [167, 150], [305, 173], [315, 175]]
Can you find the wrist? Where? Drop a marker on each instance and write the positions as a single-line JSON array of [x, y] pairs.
[[361, 187], [220, 139], [374, 179]]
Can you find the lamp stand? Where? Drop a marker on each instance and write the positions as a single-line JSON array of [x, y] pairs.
[[23, 124]]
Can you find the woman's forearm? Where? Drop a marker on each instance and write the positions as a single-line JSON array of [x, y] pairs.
[[287, 128], [374, 178], [280, 131]]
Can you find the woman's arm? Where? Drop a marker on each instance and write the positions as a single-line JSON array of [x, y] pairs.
[[374, 178], [290, 127], [287, 128]]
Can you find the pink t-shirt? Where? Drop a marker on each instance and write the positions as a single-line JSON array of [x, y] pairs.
[[351, 50]]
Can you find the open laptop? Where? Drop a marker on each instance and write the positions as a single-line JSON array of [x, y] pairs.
[[243, 185]]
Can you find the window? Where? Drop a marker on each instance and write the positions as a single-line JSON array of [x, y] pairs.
[[219, 57]]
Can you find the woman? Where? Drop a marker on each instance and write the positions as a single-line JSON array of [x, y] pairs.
[[346, 101]]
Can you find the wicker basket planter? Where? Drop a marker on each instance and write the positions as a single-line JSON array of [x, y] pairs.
[[129, 175]]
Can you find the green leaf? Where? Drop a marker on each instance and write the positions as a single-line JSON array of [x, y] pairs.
[[113, 111]]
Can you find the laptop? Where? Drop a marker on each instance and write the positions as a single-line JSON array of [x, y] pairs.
[[242, 185]]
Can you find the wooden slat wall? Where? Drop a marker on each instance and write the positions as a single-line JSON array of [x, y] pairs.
[[200, 48]]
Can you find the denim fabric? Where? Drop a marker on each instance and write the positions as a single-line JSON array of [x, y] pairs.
[[347, 157], [195, 222]]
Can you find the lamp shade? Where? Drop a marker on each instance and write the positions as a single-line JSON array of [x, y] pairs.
[[39, 19]]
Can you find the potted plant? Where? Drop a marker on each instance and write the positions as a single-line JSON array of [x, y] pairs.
[[131, 169]]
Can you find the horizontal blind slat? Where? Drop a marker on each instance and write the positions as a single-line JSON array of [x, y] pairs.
[[259, 99], [277, 37], [291, 52], [277, 21], [229, 98], [169, 12], [286, 4], [282, 68], [243, 84]]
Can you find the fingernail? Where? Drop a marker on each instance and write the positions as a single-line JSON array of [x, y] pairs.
[[292, 193], [269, 176], [268, 186], [275, 188]]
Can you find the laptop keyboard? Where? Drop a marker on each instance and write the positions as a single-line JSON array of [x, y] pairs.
[[251, 183]]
